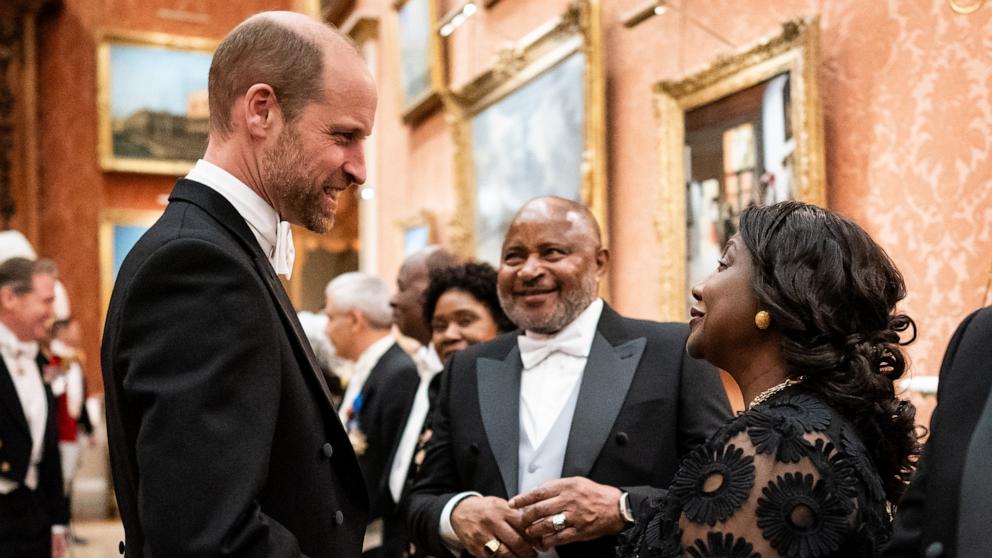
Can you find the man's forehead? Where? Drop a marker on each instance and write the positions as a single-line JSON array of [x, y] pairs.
[[561, 226]]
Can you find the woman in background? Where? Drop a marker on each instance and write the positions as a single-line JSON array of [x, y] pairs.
[[801, 312], [462, 308]]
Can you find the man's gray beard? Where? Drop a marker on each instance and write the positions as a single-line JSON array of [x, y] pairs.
[[569, 307], [282, 170]]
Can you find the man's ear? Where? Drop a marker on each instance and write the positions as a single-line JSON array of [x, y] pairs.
[[7, 297], [602, 261], [262, 112], [358, 320]]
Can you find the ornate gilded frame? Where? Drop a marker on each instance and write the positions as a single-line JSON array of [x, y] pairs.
[[108, 160], [579, 29], [796, 50], [416, 109]]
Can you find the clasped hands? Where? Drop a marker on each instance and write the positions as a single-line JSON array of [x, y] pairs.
[[524, 523]]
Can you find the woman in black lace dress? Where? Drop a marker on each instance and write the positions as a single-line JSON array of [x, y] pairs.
[[801, 312]]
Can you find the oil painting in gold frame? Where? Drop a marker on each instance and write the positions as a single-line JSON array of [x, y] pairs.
[[420, 74], [780, 74], [547, 93], [152, 101]]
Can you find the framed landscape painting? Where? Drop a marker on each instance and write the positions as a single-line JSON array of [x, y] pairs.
[[532, 125], [153, 111], [418, 89]]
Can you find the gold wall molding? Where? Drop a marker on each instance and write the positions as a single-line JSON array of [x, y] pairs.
[[795, 50]]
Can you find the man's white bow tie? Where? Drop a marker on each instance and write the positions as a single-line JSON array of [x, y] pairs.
[[285, 253], [534, 351]]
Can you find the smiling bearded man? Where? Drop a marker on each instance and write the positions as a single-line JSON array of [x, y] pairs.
[[223, 437], [549, 440]]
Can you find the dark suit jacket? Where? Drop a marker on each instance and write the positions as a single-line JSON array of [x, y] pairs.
[[928, 512], [223, 438], [15, 455], [386, 400], [643, 403]]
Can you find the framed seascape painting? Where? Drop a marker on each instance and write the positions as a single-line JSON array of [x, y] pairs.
[[417, 57], [746, 131], [152, 94], [531, 126]]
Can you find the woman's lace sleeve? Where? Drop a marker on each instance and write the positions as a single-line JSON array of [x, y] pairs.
[[785, 479]]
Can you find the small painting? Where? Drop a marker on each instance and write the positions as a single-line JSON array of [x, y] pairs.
[[120, 230]]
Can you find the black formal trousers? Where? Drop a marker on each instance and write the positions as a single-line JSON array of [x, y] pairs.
[[223, 438], [642, 405], [27, 516], [927, 516]]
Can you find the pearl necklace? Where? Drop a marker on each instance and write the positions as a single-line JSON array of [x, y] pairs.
[[765, 395]]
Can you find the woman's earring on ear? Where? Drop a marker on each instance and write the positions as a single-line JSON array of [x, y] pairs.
[[762, 320]]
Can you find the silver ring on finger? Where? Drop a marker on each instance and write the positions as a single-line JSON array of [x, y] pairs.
[[558, 521]]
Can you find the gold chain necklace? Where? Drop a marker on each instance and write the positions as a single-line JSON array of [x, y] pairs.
[[765, 395]]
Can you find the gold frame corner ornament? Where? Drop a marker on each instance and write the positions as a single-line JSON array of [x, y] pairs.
[[109, 162], [795, 50], [578, 29]]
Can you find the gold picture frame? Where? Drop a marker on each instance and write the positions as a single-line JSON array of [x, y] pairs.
[[418, 102], [576, 33], [144, 127], [119, 230], [796, 52]]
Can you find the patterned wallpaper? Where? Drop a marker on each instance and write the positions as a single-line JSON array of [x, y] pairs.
[[907, 89], [907, 104]]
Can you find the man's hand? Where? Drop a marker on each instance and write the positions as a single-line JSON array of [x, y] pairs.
[[59, 545], [479, 519], [591, 511]]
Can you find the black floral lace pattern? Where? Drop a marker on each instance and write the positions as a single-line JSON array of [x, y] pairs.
[[722, 545], [819, 494], [714, 483], [800, 517]]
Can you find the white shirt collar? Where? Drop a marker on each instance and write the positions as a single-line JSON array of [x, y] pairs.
[[14, 347], [584, 325], [428, 359], [371, 355], [261, 218]]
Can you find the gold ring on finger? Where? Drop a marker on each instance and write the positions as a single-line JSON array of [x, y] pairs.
[[492, 546]]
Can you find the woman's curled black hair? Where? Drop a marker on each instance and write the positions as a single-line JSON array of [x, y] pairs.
[[832, 292], [477, 279]]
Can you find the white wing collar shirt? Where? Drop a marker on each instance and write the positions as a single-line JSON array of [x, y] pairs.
[[553, 366], [274, 236], [552, 369]]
